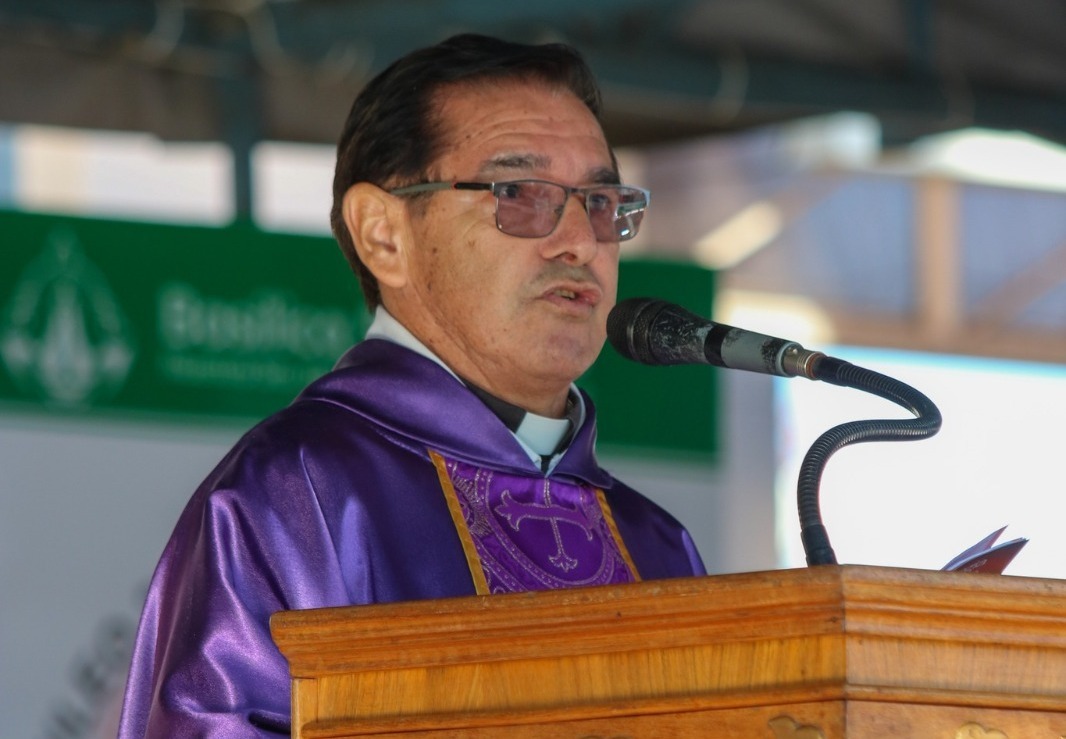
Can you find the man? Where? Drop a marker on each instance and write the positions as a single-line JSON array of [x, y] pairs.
[[449, 454]]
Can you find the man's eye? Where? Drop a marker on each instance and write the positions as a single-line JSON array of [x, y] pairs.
[[511, 191], [598, 201]]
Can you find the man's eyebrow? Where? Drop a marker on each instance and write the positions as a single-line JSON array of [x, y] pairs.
[[514, 162], [604, 176]]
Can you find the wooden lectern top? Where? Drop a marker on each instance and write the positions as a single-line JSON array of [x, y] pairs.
[[823, 651]]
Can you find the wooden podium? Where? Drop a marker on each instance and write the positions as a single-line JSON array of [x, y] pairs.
[[825, 652]]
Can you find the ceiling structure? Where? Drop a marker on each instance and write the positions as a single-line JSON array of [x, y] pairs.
[[242, 71], [670, 68]]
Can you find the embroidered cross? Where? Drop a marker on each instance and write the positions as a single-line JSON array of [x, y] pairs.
[[516, 512]]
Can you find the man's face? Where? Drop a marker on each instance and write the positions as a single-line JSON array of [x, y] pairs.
[[521, 317]]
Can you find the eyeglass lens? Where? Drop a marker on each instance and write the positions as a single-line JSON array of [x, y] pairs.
[[532, 209]]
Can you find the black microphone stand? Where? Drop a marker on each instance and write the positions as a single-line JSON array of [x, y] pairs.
[[838, 372]]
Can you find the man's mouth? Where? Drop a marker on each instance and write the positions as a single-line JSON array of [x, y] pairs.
[[576, 295], [578, 290]]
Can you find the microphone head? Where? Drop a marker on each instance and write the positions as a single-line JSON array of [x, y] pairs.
[[629, 326], [653, 331]]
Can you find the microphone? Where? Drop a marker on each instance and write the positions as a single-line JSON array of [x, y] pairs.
[[656, 332]]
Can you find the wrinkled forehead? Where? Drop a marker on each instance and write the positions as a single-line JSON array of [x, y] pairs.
[[524, 125]]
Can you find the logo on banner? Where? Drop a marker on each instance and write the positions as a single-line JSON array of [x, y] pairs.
[[267, 340], [64, 337]]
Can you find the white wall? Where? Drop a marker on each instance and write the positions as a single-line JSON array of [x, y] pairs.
[[85, 508]]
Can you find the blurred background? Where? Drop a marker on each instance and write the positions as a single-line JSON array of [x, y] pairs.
[[884, 180]]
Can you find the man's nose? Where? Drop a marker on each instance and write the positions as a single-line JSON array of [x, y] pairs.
[[574, 237]]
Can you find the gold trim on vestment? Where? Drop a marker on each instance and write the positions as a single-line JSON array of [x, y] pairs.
[[609, 518], [473, 560]]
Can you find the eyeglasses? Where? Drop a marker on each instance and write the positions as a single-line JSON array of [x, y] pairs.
[[531, 209]]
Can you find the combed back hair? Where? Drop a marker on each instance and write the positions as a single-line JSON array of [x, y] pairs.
[[392, 136]]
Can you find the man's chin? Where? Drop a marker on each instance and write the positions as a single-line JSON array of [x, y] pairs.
[[565, 369]]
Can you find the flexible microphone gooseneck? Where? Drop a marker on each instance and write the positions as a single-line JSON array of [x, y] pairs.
[[656, 332]]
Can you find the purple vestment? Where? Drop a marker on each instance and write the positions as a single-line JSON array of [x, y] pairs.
[[386, 480]]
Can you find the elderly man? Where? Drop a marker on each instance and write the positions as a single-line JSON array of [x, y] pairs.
[[449, 453]]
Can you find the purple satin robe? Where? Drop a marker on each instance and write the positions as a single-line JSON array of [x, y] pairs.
[[350, 496]]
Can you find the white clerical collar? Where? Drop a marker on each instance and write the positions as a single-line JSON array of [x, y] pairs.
[[539, 435]]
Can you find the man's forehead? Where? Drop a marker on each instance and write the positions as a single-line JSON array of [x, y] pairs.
[[527, 163], [510, 111]]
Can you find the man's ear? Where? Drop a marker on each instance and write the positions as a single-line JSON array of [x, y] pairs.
[[377, 222]]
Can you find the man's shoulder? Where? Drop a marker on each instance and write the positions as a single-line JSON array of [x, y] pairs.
[[379, 395]]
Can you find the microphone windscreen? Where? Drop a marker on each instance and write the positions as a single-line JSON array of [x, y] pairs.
[[628, 328]]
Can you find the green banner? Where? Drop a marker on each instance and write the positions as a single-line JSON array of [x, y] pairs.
[[100, 315], [128, 318]]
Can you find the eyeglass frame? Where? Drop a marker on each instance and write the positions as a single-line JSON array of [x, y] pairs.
[[492, 187]]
